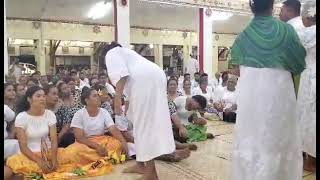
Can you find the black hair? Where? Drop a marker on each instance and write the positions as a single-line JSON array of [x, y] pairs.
[[99, 87], [204, 75], [59, 88], [34, 80], [108, 47], [261, 6], [102, 74], [196, 73], [294, 5], [202, 101], [16, 86], [85, 93], [7, 85], [172, 79], [23, 103], [73, 73], [186, 74], [47, 87], [202, 80], [186, 80]]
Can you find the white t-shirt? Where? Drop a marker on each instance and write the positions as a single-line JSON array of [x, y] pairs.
[[17, 71], [8, 117], [92, 126], [193, 67], [83, 83], [36, 127], [181, 110], [110, 89], [208, 95]]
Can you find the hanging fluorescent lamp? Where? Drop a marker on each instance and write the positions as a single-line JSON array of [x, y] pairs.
[[220, 16], [99, 10]]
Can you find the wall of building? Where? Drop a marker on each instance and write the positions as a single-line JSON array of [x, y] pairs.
[[21, 29]]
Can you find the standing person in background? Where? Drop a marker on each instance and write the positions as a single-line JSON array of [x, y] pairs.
[[193, 66], [268, 51], [129, 71], [307, 89], [16, 69], [290, 13]]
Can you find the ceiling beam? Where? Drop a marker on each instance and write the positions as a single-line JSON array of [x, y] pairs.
[[235, 6]]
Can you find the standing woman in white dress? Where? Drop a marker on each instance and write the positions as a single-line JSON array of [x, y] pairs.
[[145, 84], [267, 144], [307, 88]]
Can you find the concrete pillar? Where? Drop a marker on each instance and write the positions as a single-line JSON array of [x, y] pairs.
[[215, 62], [205, 42], [5, 58], [158, 55], [40, 54], [92, 63], [122, 23]]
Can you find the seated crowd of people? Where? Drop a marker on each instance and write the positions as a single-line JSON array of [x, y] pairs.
[[58, 123]]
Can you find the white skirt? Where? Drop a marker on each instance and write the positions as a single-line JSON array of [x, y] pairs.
[[307, 109], [267, 143]]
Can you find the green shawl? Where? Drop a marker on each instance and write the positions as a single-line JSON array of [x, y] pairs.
[[269, 43]]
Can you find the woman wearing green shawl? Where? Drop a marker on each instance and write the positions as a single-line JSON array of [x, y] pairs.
[[267, 144]]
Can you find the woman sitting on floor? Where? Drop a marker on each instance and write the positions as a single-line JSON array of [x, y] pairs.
[[187, 88], [69, 106], [172, 89], [106, 98], [33, 125], [89, 125], [11, 146]]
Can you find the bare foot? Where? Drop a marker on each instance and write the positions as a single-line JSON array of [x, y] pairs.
[[193, 147], [176, 156], [137, 168], [181, 154], [210, 136]]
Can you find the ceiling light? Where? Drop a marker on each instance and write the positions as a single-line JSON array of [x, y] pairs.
[[220, 16], [99, 10], [151, 46]]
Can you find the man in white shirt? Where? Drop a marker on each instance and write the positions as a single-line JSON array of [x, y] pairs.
[[16, 69], [103, 79], [83, 80], [193, 66], [226, 101], [290, 13]]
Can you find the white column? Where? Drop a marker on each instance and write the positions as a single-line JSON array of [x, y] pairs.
[[5, 58], [158, 55], [40, 55], [122, 14], [207, 44]]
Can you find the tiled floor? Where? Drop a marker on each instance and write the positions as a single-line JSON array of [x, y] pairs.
[[212, 160]]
